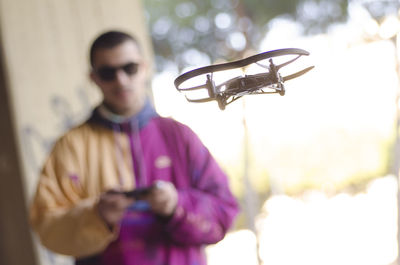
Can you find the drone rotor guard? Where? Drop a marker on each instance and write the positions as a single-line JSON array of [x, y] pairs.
[[272, 78]]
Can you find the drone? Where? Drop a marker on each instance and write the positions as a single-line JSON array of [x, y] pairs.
[[268, 82]]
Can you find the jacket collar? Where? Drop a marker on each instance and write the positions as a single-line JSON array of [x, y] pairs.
[[103, 116]]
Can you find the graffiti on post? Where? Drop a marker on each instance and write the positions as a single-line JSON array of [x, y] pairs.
[[36, 143]]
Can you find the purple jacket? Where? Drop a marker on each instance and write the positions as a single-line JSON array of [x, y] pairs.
[[164, 149]]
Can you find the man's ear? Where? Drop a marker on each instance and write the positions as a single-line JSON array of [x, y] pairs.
[[145, 70], [93, 77]]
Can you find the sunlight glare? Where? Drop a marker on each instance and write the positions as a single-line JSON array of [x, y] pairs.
[[389, 28]]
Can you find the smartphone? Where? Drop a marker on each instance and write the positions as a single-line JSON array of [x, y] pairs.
[[137, 193]]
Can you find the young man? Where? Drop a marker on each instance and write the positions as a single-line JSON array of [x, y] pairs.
[[80, 208]]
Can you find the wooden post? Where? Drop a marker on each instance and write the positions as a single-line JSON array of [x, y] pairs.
[[44, 90]]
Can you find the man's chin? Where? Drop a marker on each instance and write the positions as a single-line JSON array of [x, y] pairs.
[[126, 110]]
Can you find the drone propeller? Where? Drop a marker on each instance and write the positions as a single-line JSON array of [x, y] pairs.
[[235, 64], [200, 100], [297, 74]]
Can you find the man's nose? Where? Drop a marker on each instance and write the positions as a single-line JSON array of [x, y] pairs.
[[121, 77]]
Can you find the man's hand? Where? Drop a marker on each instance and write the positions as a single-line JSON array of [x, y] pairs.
[[112, 206], [163, 198]]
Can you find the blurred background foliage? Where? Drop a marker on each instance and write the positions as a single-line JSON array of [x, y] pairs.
[[225, 29]]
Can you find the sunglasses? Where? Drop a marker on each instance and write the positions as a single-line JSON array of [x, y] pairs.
[[108, 73]]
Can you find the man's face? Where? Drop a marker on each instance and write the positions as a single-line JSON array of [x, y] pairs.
[[120, 73]]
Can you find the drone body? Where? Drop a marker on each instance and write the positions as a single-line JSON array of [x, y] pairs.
[[267, 82]]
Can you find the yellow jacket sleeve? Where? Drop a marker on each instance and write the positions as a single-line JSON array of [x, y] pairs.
[[63, 211], [77, 231]]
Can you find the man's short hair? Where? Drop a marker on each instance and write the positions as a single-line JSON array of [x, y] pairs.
[[108, 40]]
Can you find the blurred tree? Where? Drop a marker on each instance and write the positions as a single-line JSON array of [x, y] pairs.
[[386, 14], [187, 33], [380, 9]]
